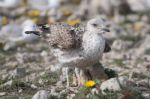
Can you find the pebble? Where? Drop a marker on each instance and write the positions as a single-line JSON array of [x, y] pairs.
[[2, 93], [42, 94], [140, 6], [121, 45], [19, 72], [34, 86], [9, 3], [115, 84], [8, 83]]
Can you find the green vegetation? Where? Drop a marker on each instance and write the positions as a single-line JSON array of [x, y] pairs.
[[50, 78], [118, 62], [110, 73], [86, 93], [62, 96], [131, 38]]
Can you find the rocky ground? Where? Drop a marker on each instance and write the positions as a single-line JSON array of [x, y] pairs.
[[28, 69]]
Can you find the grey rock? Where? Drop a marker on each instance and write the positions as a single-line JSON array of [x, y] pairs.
[[116, 84], [28, 57], [42, 94], [43, 5], [34, 86], [110, 6], [139, 5], [2, 93], [19, 72], [133, 18], [121, 45], [9, 3], [8, 83], [146, 95]]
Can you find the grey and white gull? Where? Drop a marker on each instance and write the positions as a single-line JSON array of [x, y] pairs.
[[13, 34], [76, 46]]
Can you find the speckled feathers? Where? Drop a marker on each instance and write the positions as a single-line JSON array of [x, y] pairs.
[[64, 36]]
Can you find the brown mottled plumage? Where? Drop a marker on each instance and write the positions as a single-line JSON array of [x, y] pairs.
[[64, 36], [61, 36]]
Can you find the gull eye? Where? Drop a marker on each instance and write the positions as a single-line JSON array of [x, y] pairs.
[[95, 25]]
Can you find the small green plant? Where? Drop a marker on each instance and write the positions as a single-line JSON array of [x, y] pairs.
[[28, 97], [17, 85], [62, 96], [93, 92], [110, 73], [131, 38], [49, 78], [118, 62], [86, 93]]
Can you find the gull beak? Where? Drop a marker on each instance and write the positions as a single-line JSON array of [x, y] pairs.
[[33, 32], [105, 30]]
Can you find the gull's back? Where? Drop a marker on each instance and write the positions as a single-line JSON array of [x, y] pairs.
[[64, 36]]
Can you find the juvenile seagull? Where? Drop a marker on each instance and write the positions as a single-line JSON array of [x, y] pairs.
[[77, 46]]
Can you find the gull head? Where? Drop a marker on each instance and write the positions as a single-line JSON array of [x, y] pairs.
[[97, 25]]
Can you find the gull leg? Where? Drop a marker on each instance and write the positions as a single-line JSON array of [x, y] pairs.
[[75, 77], [78, 76], [65, 75], [74, 83], [81, 76]]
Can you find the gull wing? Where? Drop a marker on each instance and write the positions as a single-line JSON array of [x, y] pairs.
[[107, 47], [65, 36]]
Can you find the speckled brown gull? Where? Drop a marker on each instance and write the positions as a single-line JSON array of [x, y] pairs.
[[79, 46]]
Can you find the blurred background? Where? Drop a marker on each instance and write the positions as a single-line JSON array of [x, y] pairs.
[[26, 63]]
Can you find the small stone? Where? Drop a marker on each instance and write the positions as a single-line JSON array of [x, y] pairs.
[[10, 45], [20, 91], [19, 72], [121, 45], [5, 76], [42, 94], [55, 68], [40, 81], [140, 6], [94, 91], [44, 53], [2, 93], [9, 3], [115, 84], [146, 95], [9, 83], [133, 18], [34, 86], [138, 26]]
